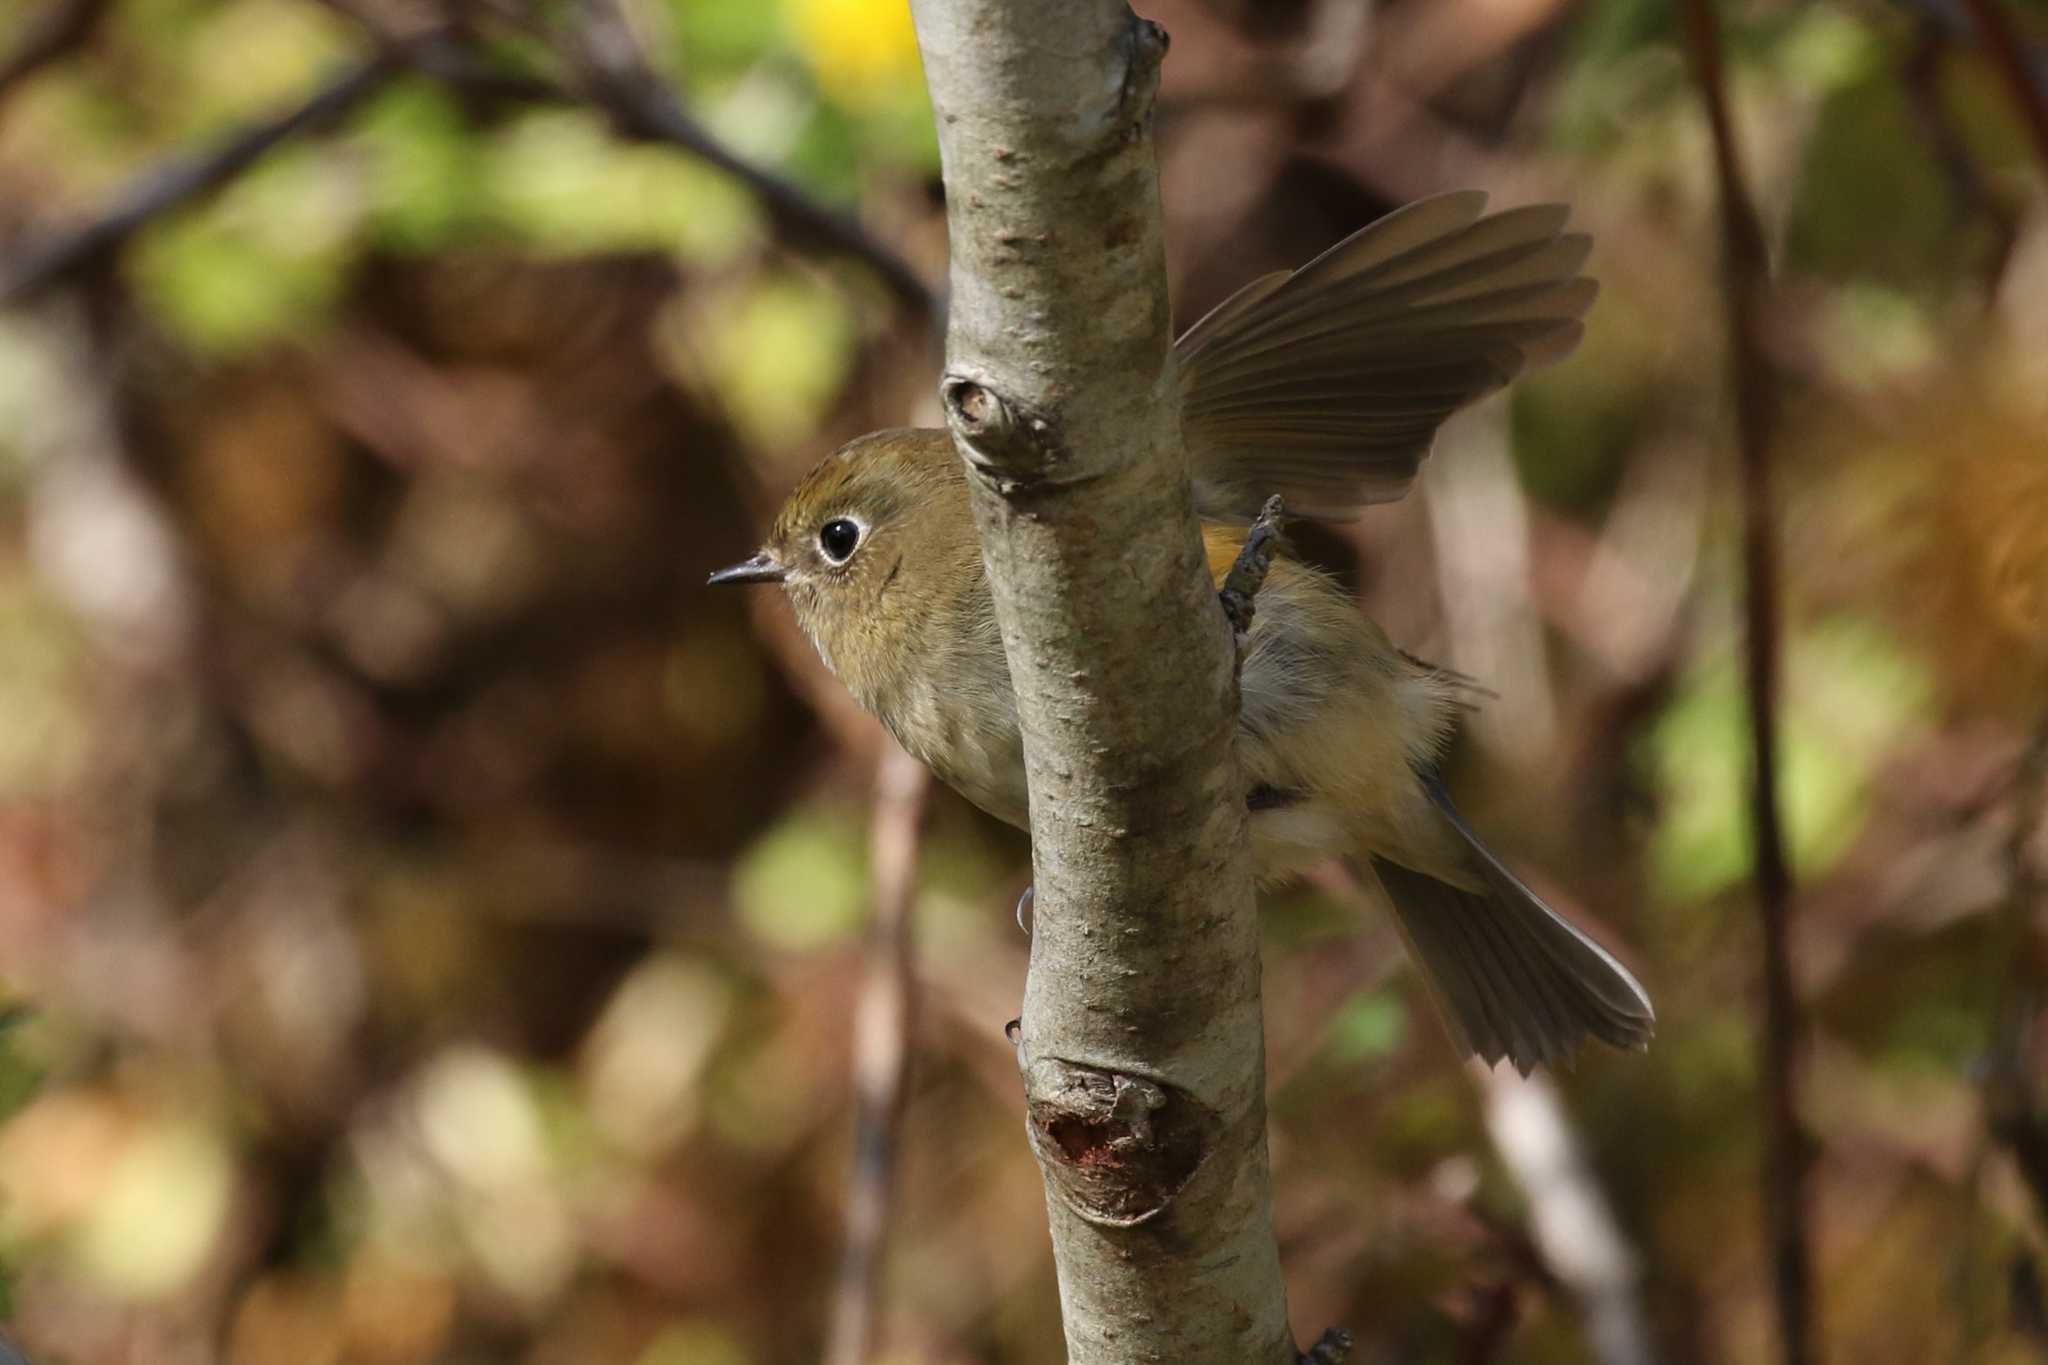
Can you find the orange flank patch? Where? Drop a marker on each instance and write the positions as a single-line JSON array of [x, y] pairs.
[[1221, 544]]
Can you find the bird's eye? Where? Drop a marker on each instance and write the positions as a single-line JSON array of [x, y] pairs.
[[838, 538]]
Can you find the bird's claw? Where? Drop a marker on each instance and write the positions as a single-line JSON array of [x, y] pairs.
[[1024, 907], [1330, 1349], [1248, 572]]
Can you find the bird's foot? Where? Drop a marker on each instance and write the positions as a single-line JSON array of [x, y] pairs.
[[1248, 572], [1330, 1349]]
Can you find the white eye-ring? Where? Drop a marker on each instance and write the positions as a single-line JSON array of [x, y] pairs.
[[839, 538]]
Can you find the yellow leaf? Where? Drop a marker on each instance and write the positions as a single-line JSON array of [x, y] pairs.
[[862, 52]]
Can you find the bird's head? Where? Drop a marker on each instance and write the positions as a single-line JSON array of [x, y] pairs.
[[875, 547]]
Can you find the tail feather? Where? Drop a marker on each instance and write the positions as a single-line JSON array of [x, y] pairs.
[[1512, 977]]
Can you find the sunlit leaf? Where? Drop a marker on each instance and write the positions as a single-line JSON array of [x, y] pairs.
[[422, 166], [1370, 1024], [1851, 693], [722, 37], [644, 1058], [863, 52], [43, 735], [561, 181], [778, 354], [155, 1219], [803, 885], [263, 261], [1868, 162], [251, 59], [697, 1341]]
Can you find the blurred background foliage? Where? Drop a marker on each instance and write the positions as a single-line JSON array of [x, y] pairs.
[[430, 923]]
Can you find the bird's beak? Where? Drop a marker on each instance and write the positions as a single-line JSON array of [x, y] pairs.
[[762, 568]]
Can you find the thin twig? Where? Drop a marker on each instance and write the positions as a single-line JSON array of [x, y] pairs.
[[2009, 1098], [1747, 268], [881, 1054], [1570, 1219], [453, 63], [2009, 56], [178, 182], [2011, 1118], [59, 29], [1920, 79], [618, 80], [648, 113], [1493, 1323]]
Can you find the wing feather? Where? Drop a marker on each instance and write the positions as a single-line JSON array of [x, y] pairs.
[[1327, 385]]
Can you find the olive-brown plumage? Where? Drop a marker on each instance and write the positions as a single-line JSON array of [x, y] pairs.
[[1326, 386]]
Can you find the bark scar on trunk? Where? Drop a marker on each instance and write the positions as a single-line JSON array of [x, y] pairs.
[[1017, 449], [1121, 1147]]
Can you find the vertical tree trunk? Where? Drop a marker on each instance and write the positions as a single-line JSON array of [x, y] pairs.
[[1141, 1043]]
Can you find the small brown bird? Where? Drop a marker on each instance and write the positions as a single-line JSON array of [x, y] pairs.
[[1326, 386]]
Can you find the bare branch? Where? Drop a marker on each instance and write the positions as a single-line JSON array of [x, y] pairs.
[[615, 81], [881, 1054], [618, 80], [614, 78], [1571, 1221], [2009, 57], [1747, 268], [178, 182], [2011, 1104], [1141, 1041], [60, 28]]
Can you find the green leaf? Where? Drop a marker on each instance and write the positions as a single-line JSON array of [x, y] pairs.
[[1867, 162], [265, 261], [695, 1341], [46, 736], [422, 167], [562, 182], [778, 354], [1370, 1025], [803, 885], [1850, 694], [721, 36]]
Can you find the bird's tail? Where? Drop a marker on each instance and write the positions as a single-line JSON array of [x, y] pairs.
[[1512, 977]]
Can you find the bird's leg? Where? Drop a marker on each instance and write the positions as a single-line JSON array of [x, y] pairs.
[[1330, 1349], [1248, 572]]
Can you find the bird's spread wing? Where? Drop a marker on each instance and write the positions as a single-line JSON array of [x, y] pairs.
[[1327, 385]]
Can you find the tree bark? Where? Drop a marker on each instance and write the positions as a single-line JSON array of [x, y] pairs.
[[1141, 1043]]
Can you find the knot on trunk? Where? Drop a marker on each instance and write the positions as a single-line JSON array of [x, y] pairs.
[[1145, 45], [1015, 448], [1119, 1148]]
